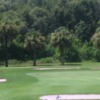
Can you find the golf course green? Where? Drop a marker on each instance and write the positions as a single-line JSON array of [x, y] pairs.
[[26, 83]]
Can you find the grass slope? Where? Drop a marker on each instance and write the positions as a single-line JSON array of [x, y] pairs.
[[28, 84]]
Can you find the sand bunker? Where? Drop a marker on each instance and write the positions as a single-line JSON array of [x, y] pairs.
[[2, 80], [71, 97]]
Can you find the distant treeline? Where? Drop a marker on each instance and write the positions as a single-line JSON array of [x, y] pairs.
[[44, 26]]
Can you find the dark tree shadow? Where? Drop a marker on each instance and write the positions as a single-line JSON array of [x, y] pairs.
[[44, 65], [72, 64]]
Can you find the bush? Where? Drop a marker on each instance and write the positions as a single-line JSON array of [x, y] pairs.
[[17, 52], [97, 55], [72, 55], [47, 60], [87, 52], [47, 52], [2, 52]]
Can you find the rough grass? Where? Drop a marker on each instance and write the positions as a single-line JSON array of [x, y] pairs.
[[25, 83]]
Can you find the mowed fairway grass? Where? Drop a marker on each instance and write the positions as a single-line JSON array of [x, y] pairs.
[[25, 83]]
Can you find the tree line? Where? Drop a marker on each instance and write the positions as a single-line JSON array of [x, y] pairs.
[[68, 30]]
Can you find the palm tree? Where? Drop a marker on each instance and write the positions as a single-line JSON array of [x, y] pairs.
[[61, 39], [34, 42], [8, 31], [96, 40]]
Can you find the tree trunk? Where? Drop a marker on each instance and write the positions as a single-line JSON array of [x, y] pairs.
[[62, 55], [6, 51], [34, 58], [62, 60]]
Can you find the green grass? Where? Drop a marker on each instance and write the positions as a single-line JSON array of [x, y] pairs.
[[24, 83]]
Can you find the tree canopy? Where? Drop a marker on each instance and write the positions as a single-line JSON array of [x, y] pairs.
[[57, 21]]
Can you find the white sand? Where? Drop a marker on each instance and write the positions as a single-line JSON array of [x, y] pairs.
[[3, 80], [71, 97]]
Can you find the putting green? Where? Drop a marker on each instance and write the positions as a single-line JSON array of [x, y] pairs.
[[67, 82], [67, 78]]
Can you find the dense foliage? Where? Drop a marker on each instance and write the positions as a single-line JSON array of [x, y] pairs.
[[80, 17]]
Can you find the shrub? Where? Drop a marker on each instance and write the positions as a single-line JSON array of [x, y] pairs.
[[97, 55], [72, 55], [87, 52], [47, 60], [2, 53]]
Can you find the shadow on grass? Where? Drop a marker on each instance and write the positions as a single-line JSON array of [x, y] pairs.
[[59, 64], [71, 64], [44, 65]]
